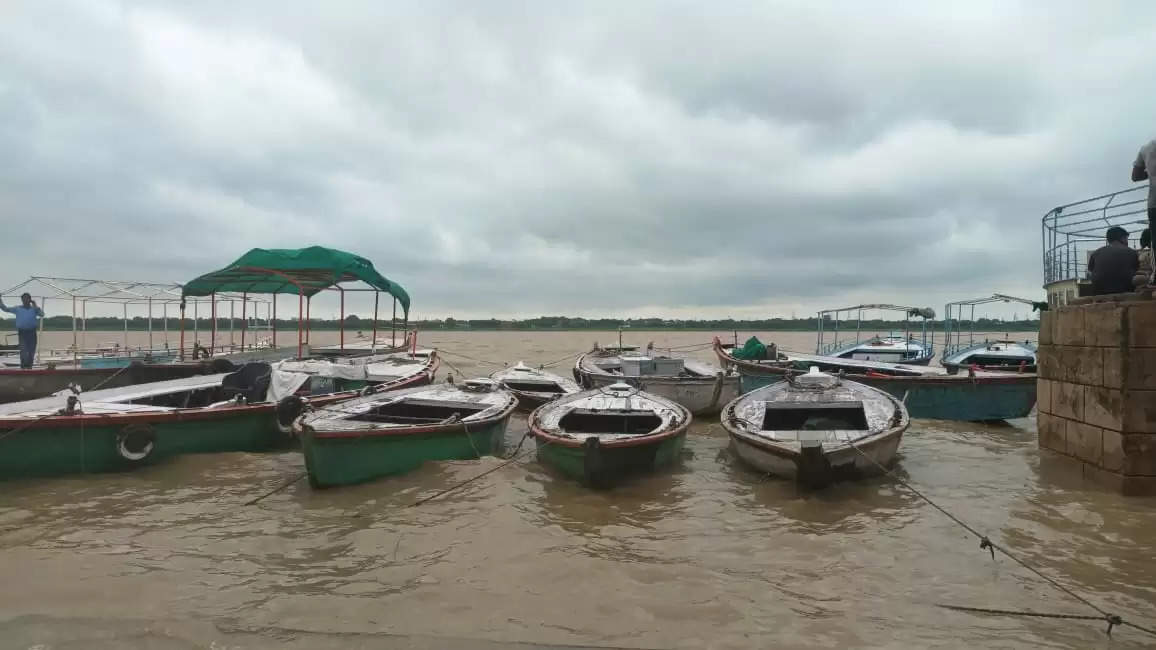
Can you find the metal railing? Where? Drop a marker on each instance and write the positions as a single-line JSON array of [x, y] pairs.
[[1071, 231]]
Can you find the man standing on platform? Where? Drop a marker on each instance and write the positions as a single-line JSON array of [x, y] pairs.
[[28, 316]]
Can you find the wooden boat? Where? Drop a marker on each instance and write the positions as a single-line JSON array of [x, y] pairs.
[[888, 349], [1001, 354], [599, 435], [533, 387], [700, 387], [816, 428], [364, 346], [397, 370], [18, 384], [123, 428], [384, 434], [927, 392]]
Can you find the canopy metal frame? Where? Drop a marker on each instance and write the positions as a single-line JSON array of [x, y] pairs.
[[306, 284], [821, 347], [953, 316], [79, 292]]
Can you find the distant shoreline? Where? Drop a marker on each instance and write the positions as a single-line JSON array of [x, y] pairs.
[[282, 328]]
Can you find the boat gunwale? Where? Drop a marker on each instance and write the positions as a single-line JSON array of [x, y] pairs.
[[635, 441], [992, 376]]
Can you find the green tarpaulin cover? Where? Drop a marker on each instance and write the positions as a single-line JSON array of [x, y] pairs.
[[293, 270], [752, 350]]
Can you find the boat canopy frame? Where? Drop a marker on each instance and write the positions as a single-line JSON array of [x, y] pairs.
[[79, 292], [822, 347], [304, 272], [953, 316]]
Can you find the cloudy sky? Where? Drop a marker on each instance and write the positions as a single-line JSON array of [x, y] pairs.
[[524, 158]]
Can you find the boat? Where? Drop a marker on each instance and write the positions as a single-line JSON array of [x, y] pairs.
[[368, 346], [397, 370], [385, 434], [991, 354], [534, 387], [22, 384], [600, 435], [927, 391], [816, 428], [998, 354], [889, 348], [700, 387], [114, 429]]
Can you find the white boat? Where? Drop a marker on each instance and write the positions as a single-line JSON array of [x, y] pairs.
[[816, 428], [993, 355], [887, 349], [394, 371], [700, 387], [534, 387]]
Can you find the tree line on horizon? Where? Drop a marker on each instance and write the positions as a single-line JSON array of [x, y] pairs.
[[357, 323]]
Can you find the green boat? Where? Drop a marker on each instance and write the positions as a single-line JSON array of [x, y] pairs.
[[385, 434], [600, 436], [117, 429]]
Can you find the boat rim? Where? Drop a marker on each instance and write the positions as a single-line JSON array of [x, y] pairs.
[[303, 429], [539, 434]]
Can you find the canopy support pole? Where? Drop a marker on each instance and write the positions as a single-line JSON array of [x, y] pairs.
[[84, 322], [300, 322], [309, 320], [373, 343], [182, 348], [125, 305], [341, 340], [165, 311], [41, 335], [213, 332], [819, 343], [150, 325], [393, 326], [274, 322], [74, 341], [244, 317], [196, 323], [232, 323]]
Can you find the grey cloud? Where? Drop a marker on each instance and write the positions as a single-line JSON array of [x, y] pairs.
[[511, 159]]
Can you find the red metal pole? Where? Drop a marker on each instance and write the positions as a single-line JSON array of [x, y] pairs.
[[213, 334], [376, 297], [308, 319], [393, 326], [244, 318], [341, 340], [182, 329], [274, 321], [300, 324]]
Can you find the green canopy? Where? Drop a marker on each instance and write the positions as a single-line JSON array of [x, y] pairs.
[[304, 271]]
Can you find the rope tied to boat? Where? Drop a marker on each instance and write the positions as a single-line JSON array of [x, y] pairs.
[[986, 543], [475, 359], [508, 461], [1112, 620]]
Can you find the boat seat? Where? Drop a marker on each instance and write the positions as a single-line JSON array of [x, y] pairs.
[[251, 382]]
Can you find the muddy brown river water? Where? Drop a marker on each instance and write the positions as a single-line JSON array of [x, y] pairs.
[[710, 555]]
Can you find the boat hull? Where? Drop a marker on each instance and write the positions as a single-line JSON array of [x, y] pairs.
[[603, 466], [699, 396], [845, 462], [89, 444], [347, 458]]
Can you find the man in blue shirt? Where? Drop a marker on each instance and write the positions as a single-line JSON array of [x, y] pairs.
[[27, 317]]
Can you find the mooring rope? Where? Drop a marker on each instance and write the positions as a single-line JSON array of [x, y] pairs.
[[986, 543]]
